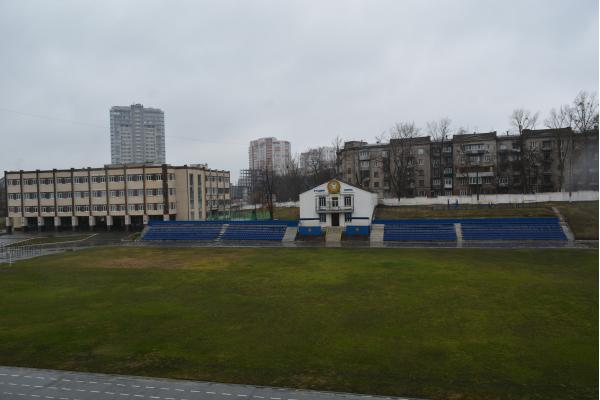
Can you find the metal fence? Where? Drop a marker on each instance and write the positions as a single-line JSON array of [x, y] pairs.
[[10, 254]]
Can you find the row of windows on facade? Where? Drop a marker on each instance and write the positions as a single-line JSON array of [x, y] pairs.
[[335, 201], [86, 194], [94, 207], [347, 217], [84, 179]]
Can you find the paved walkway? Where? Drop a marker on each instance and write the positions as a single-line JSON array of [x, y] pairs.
[[42, 384]]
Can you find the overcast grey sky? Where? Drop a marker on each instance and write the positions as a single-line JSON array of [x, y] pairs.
[[225, 72]]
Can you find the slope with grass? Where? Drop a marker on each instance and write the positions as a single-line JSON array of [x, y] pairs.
[[444, 323]]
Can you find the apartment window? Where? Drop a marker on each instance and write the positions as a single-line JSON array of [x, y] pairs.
[[334, 202], [172, 206], [98, 193], [375, 174], [420, 152], [30, 196], [14, 182], [154, 192], [46, 181], [80, 179], [376, 184], [348, 201], [323, 218], [135, 178], [63, 180], [116, 193], [14, 196], [135, 192], [322, 201], [30, 181], [364, 164], [116, 178], [82, 208], [447, 181], [82, 195], [421, 172], [46, 195], [31, 209], [98, 179], [14, 209], [64, 209], [99, 207], [421, 193], [420, 161], [436, 182], [64, 195], [172, 191], [348, 217], [503, 180]]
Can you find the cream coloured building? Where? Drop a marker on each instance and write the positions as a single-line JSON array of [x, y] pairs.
[[114, 196]]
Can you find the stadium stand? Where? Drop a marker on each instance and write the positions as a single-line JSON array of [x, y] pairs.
[[254, 232], [547, 228], [419, 231], [184, 230], [512, 229]]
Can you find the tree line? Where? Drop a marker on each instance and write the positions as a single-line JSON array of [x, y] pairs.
[[581, 116]]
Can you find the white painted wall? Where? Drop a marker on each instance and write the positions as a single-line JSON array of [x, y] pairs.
[[494, 198], [364, 205]]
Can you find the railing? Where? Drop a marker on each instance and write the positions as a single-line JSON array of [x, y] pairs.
[[330, 206]]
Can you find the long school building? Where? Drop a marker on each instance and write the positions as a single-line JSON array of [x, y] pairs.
[[115, 196]]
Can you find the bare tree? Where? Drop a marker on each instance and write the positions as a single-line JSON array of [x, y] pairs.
[[265, 188], [585, 112], [440, 135], [561, 121], [338, 146], [401, 161], [523, 119]]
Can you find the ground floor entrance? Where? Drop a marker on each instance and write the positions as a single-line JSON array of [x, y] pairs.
[[335, 219]]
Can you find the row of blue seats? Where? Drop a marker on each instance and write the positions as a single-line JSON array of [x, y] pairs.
[[254, 232], [419, 232], [183, 232], [549, 230]]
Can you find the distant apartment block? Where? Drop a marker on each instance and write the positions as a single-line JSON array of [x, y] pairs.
[[269, 153], [137, 135], [114, 196], [544, 160]]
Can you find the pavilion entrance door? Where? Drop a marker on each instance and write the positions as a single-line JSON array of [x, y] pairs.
[[335, 219]]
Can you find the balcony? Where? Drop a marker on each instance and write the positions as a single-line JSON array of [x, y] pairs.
[[329, 207], [333, 206]]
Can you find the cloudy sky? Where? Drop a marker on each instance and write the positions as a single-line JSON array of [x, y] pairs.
[[225, 72]]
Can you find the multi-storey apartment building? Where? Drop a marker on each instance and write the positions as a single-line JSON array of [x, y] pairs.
[[115, 196], [269, 153], [474, 159], [137, 135], [542, 160]]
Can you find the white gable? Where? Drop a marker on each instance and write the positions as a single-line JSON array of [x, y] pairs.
[[347, 206]]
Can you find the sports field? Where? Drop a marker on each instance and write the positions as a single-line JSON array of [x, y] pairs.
[[430, 323]]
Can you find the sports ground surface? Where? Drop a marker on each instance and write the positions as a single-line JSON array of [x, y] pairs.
[[430, 323]]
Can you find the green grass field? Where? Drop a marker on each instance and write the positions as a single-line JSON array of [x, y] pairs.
[[431, 323]]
